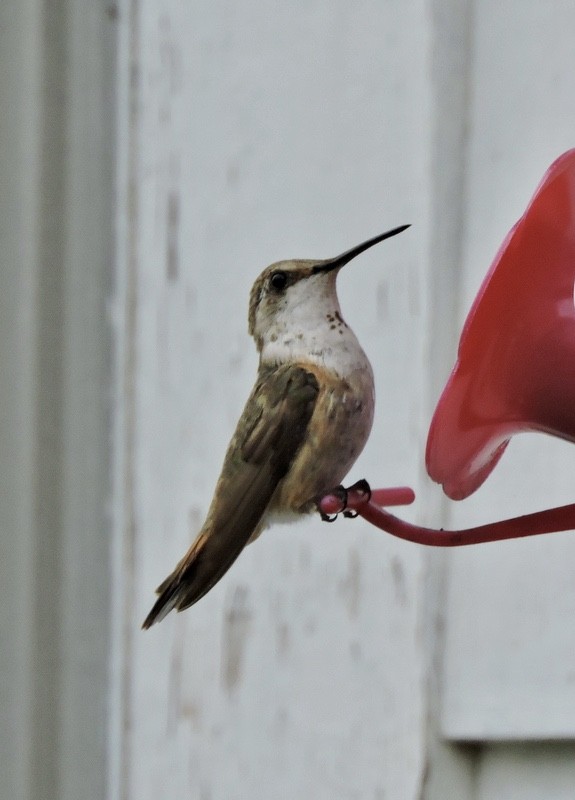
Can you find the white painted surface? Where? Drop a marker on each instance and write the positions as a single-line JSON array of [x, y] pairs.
[[510, 649], [310, 670], [262, 135], [249, 133]]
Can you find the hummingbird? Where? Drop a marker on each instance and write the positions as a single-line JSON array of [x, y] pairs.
[[305, 422]]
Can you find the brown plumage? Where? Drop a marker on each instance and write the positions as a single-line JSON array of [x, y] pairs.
[[305, 422]]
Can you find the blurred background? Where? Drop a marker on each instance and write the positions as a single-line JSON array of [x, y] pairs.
[[155, 155]]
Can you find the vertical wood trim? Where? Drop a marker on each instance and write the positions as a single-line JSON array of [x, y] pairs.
[[88, 231], [19, 177], [451, 71], [57, 201], [125, 414], [48, 368]]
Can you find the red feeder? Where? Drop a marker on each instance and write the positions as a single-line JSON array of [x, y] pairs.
[[515, 369]]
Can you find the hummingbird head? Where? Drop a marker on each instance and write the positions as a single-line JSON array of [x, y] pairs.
[[292, 300]]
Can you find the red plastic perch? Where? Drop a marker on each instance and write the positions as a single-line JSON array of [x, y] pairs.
[[549, 521]]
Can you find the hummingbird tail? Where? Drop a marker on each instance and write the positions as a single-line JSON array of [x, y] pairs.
[[168, 591], [181, 589], [200, 569]]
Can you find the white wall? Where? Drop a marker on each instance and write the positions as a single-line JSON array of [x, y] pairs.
[[318, 667], [331, 661], [263, 133]]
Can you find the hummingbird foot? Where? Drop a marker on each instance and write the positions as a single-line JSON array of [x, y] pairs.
[[335, 501], [360, 489], [336, 505]]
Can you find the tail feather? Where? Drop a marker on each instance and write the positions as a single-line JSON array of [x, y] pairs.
[[178, 591], [206, 562], [166, 602]]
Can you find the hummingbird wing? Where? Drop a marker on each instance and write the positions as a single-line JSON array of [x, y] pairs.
[[270, 432]]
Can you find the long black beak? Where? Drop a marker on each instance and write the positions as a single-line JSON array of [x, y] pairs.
[[344, 258]]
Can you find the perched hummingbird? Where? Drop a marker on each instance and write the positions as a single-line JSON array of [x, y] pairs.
[[305, 423]]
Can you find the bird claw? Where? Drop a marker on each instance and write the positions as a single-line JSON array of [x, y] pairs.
[[341, 494], [361, 487]]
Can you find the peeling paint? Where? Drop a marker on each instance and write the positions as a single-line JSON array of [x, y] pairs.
[[283, 640], [310, 626], [195, 518], [280, 724], [382, 301], [192, 712], [398, 576], [350, 586], [172, 235], [175, 677], [304, 557], [355, 650], [236, 630]]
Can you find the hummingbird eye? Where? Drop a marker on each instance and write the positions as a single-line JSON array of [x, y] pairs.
[[278, 280]]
